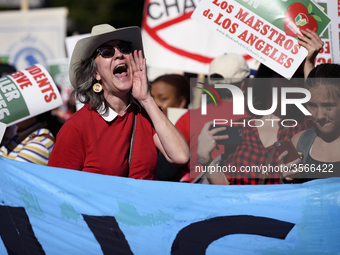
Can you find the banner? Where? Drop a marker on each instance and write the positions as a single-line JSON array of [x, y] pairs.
[[27, 93], [31, 37], [47, 210], [173, 41], [266, 29]]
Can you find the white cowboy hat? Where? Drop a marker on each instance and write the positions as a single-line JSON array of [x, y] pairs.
[[101, 34]]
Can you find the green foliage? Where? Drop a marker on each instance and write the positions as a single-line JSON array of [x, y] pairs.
[[84, 14]]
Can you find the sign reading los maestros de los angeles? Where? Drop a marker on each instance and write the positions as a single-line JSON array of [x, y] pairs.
[[266, 29]]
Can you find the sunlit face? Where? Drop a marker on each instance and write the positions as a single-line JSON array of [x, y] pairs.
[[114, 73], [165, 95], [325, 109]]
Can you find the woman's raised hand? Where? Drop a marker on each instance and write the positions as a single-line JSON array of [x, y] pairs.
[[140, 86], [313, 43]]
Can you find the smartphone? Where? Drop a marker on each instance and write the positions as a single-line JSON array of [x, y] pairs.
[[234, 133], [287, 145]]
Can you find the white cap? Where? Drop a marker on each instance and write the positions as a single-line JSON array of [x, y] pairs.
[[232, 67]]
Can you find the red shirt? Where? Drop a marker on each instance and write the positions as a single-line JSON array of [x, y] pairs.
[[89, 143], [191, 123], [252, 153]]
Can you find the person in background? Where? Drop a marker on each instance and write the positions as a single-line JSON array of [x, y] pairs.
[[229, 68], [30, 140], [120, 128], [6, 69], [319, 145], [257, 148], [171, 90], [65, 111]]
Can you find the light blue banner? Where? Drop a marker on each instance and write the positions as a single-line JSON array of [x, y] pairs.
[[46, 210]]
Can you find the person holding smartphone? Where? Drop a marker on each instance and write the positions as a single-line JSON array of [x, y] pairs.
[[320, 145], [257, 148]]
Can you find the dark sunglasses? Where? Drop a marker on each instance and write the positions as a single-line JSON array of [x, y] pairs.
[[108, 51]]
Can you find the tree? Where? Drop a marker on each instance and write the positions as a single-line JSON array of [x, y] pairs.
[[83, 15]]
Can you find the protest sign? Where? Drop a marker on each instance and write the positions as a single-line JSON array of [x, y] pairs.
[[173, 41], [31, 37], [4, 58], [267, 30], [58, 69], [2, 130], [27, 93], [327, 53], [47, 210], [331, 37], [71, 42]]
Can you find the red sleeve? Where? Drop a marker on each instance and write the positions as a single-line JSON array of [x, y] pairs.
[[68, 151], [183, 126]]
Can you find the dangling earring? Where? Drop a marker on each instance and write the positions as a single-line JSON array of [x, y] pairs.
[[97, 87]]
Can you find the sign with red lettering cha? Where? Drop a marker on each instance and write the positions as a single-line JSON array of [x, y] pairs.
[[27, 93], [169, 33], [266, 29]]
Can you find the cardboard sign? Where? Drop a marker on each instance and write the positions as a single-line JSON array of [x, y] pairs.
[[33, 37], [27, 93], [2, 130], [173, 41], [327, 53], [71, 42], [266, 29], [331, 52]]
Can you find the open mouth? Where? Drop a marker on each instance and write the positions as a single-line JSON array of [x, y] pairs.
[[121, 70]]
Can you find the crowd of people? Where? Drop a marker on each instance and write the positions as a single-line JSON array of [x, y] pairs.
[[123, 128]]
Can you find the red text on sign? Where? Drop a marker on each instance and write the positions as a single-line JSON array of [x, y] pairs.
[[271, 33], [224, 6], [43, 83], [266, 49], [21, 79]]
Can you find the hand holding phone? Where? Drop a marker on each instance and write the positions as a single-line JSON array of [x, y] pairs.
[[287, 145], [234, 133]]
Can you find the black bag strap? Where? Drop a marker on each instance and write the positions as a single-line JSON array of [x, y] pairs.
[[305, 142], [132, 142]]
